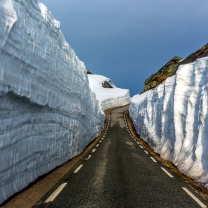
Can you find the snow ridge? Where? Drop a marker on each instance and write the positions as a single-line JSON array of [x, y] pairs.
[[108, 97], [48, 112], [173, 119]]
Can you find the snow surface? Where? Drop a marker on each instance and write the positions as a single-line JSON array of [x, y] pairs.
[[48, 113], [173, 119], [108, 97]]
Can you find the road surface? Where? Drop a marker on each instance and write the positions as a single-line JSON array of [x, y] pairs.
[[119, 172]]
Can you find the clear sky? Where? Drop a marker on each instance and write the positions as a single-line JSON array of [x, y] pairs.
[[128, 40]]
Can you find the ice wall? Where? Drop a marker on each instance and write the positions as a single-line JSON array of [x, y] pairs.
[[47, 112], [173, 119], [108, 97]]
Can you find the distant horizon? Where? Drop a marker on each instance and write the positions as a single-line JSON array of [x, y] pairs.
[[127, 41]]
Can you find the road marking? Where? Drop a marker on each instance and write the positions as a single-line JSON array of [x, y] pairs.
[[193, 197], [146, 152], [97, 145], [94, 150], [55, 193], [103, 138], [167, 172], [153, 159], [100, 141], [89, 156], [137, 142], [141, 146], [76, 171]]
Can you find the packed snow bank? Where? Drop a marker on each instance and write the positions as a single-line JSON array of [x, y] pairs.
[[173, 119], [108, 97], [47, 112]]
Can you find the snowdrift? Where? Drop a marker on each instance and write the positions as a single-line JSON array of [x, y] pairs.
[[48, 113], [108, 97], [173, 119]]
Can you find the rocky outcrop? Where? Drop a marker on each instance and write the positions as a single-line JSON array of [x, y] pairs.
[[166, 71], [171, 67]]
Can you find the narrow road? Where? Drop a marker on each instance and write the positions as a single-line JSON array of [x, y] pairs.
[[119, 172]]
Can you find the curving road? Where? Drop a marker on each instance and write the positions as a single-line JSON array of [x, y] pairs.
[[119, 172]]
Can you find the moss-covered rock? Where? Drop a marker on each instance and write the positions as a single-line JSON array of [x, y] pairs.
[[171, 67], [158, 78], [168, 69]]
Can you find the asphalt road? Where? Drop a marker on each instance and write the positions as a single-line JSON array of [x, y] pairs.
[[118, 172]]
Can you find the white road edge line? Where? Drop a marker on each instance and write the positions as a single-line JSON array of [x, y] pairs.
[[97, 145], [146, 152], [141, 146], [88, 157], [193, 197], [153, 159], [167, 172], [55, 193], [94, 150], [76, 171]]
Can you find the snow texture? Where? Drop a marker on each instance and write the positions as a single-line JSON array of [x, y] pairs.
[[48, 113], [108, 97], [173, 119]]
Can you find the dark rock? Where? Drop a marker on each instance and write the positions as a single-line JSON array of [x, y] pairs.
[[88, 72], [106, 85], [203, 52]]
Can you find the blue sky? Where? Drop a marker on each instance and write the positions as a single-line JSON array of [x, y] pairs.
[[128, 40]]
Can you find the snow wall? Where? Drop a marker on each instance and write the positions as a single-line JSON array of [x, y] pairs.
[[173, 119], [108, 97], [47, 112]]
